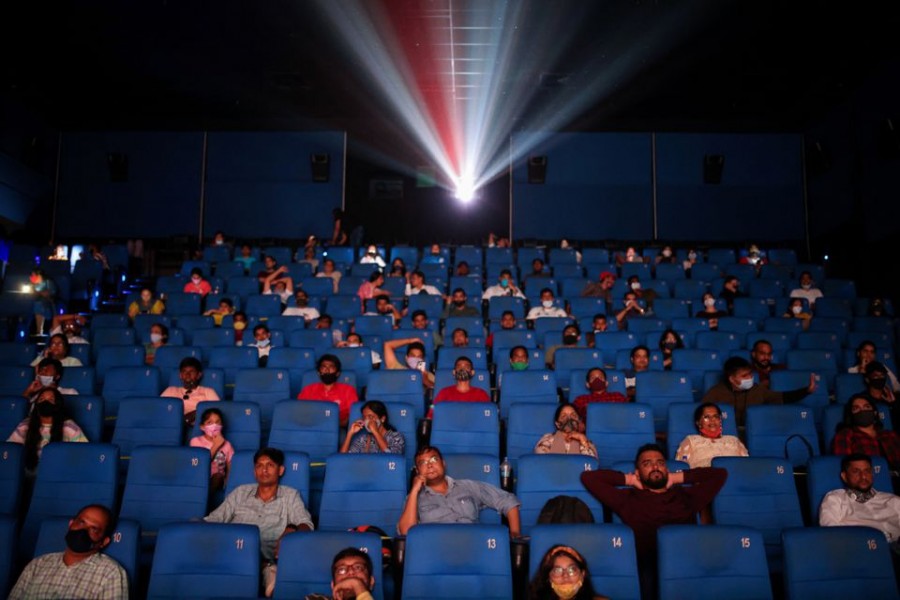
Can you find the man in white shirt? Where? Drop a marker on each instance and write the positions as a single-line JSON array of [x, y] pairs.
[[859, 503], [505, 287], [415, 284], [806, 289], [302, 309], [547, 307]]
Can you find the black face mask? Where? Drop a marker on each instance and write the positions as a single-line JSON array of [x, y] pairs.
[[570, 340], [459, 303], [864, 418], [79, 540], [328, 378], [877, 383], [46, 409]]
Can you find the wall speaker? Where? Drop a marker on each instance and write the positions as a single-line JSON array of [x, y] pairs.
[[320, 164], [712, 168], [537, 169], [118, 167]]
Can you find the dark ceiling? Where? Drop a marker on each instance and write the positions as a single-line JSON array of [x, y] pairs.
[[272, 64]]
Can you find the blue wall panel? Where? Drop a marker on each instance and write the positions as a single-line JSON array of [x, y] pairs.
[[598, 186], [160, 198], [260, 184], [760, 196]]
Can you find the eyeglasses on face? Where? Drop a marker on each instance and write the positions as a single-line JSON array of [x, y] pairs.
[[560, 572], [426, 461], [358, 568]]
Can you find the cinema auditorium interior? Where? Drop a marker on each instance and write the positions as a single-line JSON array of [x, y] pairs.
[[505, 299]]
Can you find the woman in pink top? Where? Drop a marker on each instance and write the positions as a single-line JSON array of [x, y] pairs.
[[220, 449], [371, 288]]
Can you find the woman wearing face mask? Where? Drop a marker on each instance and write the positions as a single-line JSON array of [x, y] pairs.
[[463, 391], [47, 423], [569, 436], [666, 256], [796, 310], [159, 337], [699, 450], [563, 575], [668, 342], [373, 433], [595, 381], [862, 431], [220, 450], [710, 312], [197, 285]]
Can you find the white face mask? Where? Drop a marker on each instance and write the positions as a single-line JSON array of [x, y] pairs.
[[547, 303], [636, 285], [709, 302], [667, 253], [195, 279], [745, 384], [262, 343], [796, 309], [156, 337], [46, 380], [352, 345], [806, 286]]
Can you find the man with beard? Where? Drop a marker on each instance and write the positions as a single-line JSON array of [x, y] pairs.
[[328, 388], [858, 503], [351, 577], [761, 362], [653, 497]]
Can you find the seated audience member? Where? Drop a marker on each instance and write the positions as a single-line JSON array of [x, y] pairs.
[[219, 240], [159, 337], [878, 308], [562, 575], [630, 256], [302, 307], [463, 391], [691, 260], [860, 504], [325, 322], [263, 343], [372, 288], [710, 312], [437, 498], [341, 234], [807, 290], [197, 284], [699, 450], [537, 270], [385, 308], [861, 431], [876, 382], [795, 310], [354, 340], [599, 325], [70, 326], [226, 307], [669, 341], [865, 354], [433, 256], [240, 326], [47, 423], [280, 284], [460, 338], [276, 509], [457, 307], [245, 257], [81, 570], [570, 337], [351, 577], [309, 257], [630, 309], [653, 497], [740, 390], [45, 293], [518, 358], [146, 304], [420, 321], [329, 270], [414, 359], [507, 323], [221, 451], [640, 362], [595, 381], [462, 269], [270, 266], [47, 375], [398, 268], [329, 388], [415, 284], [57, 348], [647, 296], [547, 308], [372, 257], [190, 391], [569, 436], [496, 241], [731, 289], [602, 288], [761, 362], [505, 286], [564, 244], [373, 433], [666, 256], [754, 257]]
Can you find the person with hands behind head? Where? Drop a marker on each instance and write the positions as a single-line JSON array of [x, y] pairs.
[[437, 498], [415, 358], [373, 433]]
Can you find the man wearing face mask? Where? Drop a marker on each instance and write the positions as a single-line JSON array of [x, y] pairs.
[[595, 381], [414, 359], [571, 335], [301, 307], [877, 388], [329, 388], [263, 344], [463, 391], [518, 358], [807, 290], [457, 307], [505, 287], [81, 570], [49, 372], [858, 503], [197, 285], [647, 296], [547, 308], [740, 390]]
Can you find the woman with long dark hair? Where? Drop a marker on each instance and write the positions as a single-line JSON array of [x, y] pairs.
[[373, 433], [47, 423], [562, 575]]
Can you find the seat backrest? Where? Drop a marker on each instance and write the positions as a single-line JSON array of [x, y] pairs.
[[479, 467], [122, 382], [857, 558], [451, 561], [17, 354], [81, 379], [526, 424], [227, 567], [87, 411], [824, 475], [618, 430], [305, 426], [166, 484], [305, 558], [319, 340], [520, 385], [446, 357], [363, 489], [108, 357], [610, 342], [706, 561], [8, 551], [13, 409], [568, 359], [778, 432], [358, 360], [11, 474], [147, 422], [545, 476], [466, 427], [659, 389], [265, 387], [395, 383]]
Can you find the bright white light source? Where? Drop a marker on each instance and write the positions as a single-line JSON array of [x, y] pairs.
[[465, 189]]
